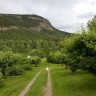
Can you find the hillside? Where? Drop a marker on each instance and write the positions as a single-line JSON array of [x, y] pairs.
[[31, 23], [28, 31], [34, 22]]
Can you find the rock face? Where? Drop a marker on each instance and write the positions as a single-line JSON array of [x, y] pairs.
[[9, 28], [43, 25], [33, 22]]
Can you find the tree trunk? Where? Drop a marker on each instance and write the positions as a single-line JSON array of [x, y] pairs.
[[66, 66], [3, 71], [36, 65]]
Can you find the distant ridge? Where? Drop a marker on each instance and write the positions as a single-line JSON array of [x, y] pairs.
[[27, 25], [24, 33], [15, 21]]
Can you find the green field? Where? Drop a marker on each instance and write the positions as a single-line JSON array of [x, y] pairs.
[[64, 83], [15, 84], [67, 84]]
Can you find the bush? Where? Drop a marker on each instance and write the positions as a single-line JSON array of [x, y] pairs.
[[15, 70], [35, 60], [37, 52], [55, 57], [7, 59], [27, 67]]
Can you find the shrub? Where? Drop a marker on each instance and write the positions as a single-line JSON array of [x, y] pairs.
[[35, 60], [7, 59], [55, 57], [27, 67], [15, 70], [37, 52]]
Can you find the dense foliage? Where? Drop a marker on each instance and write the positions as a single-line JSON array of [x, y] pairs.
[[80, 50], [55, 57], [92, 24], [34, 60], [7, 59]]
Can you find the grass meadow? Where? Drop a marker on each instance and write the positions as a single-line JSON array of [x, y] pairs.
[[67, 84], [64, 83], [15, 84]]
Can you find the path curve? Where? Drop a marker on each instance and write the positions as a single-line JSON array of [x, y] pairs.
[[48, 88], [23, 92]]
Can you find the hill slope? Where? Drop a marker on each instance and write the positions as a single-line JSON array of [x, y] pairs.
[[34, 22], [22, 33]]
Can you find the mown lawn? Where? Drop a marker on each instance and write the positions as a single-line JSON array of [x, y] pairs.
[[37, 88], [67, 84], [15, 84], [64, 83]]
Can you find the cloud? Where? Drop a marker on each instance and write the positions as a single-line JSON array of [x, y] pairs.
[[87, 15], [65, 15], [84, 7]]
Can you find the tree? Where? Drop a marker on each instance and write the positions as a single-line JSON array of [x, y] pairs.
[[7, 59], [92, 24], [35, 60], [1, 80], [37, 52], [55, 57], [81, 52]]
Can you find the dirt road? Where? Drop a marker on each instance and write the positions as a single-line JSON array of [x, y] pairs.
[[48, 88], [23, 92]]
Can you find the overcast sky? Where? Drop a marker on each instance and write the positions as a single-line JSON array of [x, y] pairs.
[[66, 15]]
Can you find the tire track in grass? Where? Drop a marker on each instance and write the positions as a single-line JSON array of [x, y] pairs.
[[48, 88], [26, 89]]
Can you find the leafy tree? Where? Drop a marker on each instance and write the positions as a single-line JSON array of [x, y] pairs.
[[7, 59], [15, 70], [81, 52], [55, 57], [92, 24], [35, 60], [27, 66], [37, 52]]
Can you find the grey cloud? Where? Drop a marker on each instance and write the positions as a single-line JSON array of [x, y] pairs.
[[74, 27], [86, 15], [59, 12]]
